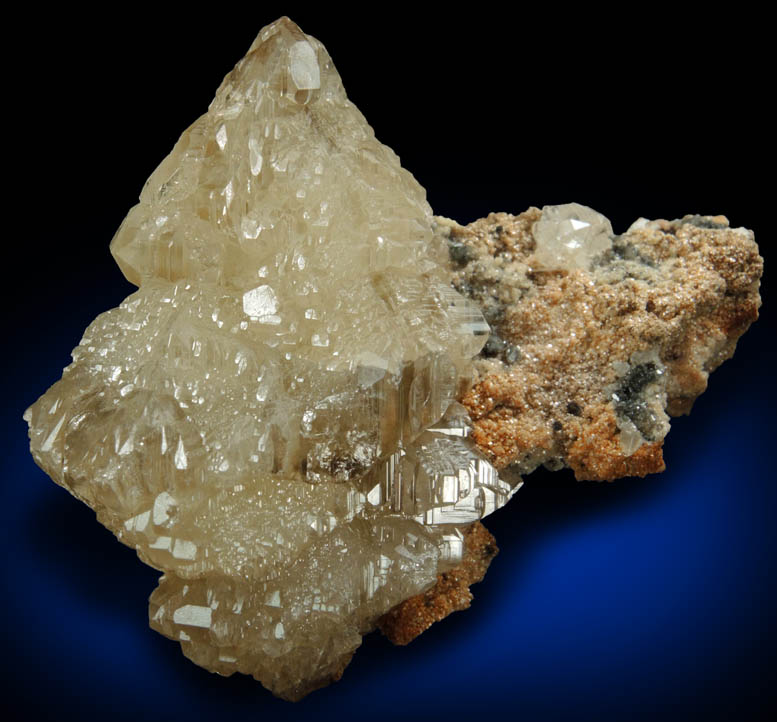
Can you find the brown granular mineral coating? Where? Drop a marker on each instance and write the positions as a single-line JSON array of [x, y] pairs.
[[450, 594], [683, 291], [673, 295], [678, 292]]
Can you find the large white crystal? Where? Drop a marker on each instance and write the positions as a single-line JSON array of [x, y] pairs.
[[570, 236], [269, 418]]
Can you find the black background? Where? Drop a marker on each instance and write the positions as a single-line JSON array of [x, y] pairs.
[[641, 111], [636, 114]]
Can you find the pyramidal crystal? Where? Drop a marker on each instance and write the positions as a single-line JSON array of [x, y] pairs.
[[570, 236], [270, 420]]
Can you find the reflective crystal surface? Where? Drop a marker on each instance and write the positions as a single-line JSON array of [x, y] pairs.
[[270, 418], [570, 236]]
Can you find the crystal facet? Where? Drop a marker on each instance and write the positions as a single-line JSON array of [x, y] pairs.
[[270, 419], [570, 236]]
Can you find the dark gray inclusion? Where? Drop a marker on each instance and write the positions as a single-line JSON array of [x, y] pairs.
[[629, 398], [496, 346], [459, 252], [703, 222]]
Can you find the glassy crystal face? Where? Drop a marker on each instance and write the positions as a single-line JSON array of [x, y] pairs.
[[270, 418], [265, 192], [570, 236]]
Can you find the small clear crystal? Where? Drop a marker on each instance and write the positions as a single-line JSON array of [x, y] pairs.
[[570, 236]]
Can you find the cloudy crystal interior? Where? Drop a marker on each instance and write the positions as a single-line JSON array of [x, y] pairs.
[[270, 419], [570, 236]]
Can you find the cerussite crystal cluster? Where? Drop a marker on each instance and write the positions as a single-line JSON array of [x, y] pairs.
[[319, 388]]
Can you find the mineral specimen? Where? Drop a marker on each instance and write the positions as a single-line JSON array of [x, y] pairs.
[[300, 415], [584, 362]]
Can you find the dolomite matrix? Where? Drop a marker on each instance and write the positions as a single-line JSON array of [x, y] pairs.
[[319, 388]]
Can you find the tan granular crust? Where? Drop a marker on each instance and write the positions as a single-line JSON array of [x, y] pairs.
[[596, 452], [685, 290], [450, 594]]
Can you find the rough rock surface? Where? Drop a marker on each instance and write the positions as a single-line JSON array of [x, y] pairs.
[[583, 364], [449, 594]]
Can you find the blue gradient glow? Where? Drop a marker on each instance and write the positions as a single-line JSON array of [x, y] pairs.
[[650, 600], [643, 599]]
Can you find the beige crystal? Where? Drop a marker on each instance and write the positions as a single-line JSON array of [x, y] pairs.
[[270, 419]]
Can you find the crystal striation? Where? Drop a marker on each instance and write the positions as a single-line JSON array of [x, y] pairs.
[[270, 419], [319, 388]]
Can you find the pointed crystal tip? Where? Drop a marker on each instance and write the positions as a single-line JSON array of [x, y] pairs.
[[570, 236]]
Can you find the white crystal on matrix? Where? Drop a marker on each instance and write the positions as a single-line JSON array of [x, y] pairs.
[[570, 236], [270, 418]]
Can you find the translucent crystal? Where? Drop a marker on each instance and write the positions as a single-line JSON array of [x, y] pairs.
[[639, 399], [441, 478], [570, 236], [270, 418]]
